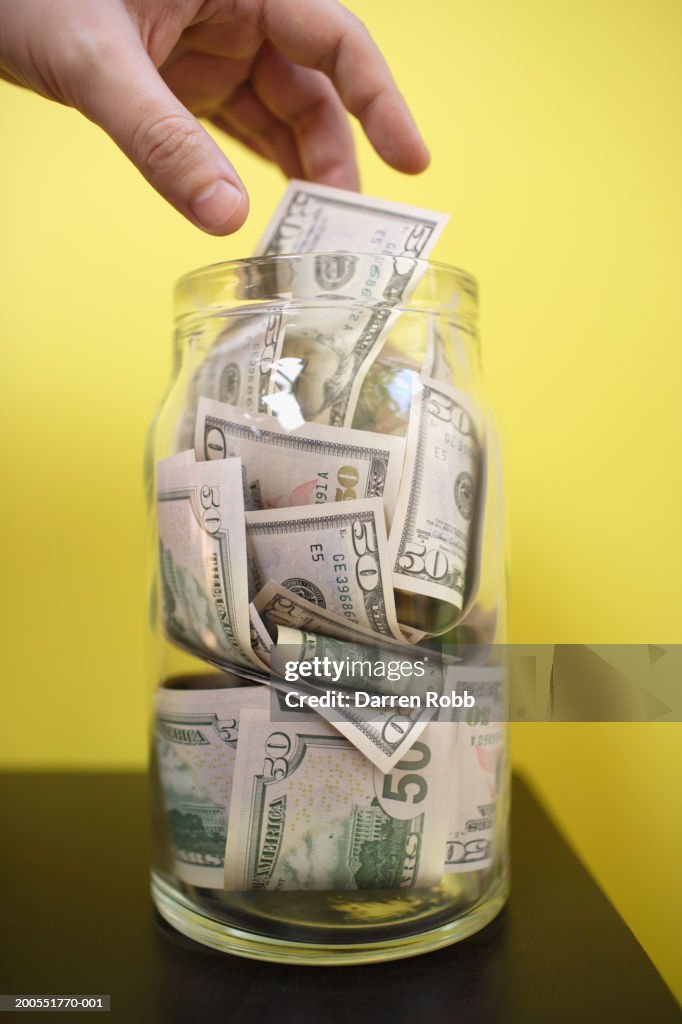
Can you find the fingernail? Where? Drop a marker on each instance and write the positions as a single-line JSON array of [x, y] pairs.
[[214, 206]]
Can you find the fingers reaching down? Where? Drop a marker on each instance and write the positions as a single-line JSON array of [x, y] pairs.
[[324, 35], [306, 101]]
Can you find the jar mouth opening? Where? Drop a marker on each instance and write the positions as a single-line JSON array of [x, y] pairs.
[[431, 275]]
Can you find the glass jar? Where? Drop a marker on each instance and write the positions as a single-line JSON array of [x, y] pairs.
[[309, 344]]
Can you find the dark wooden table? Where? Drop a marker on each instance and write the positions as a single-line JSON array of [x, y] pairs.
[[77, 918]]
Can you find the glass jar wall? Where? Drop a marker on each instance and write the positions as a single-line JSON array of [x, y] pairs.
[[310, 425]]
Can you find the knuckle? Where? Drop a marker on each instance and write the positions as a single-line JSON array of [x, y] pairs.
[[360, 26], [163, 142], [359, 29], [310, 112]]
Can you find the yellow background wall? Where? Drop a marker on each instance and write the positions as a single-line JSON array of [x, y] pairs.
[[555, 134]]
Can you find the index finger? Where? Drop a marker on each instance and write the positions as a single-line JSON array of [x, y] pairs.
[[325, 35]]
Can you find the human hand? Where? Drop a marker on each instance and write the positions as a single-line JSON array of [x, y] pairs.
[[274, 74]]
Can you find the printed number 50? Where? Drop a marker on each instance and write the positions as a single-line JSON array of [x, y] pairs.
[[405, 782]]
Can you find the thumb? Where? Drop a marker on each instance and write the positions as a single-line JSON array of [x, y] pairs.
[[126, 96]]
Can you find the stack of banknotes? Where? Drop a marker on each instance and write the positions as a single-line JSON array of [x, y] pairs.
[[287, 533]]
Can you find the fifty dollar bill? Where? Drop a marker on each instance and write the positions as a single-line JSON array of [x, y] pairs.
[[335, 344], [382, 734], [202, 557], [479, 768], [238, 367], [312, 464], [309, 811], [196, 748], [284, 607], [437, 497], [333, 555]]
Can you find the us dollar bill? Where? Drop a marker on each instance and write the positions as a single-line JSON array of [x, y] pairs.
[[446, 350], [183, 458], [310, 812], [319, 218], [479, 768], [334, 556], [437, 498], [382, 731], [412, 635], [196, 733], [261, 640], [202, 559], [335, 347], [283, 607], [238, 368], [303, 631], [311, 465]]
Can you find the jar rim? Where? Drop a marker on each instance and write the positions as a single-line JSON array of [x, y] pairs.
[[465, 282]]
